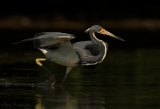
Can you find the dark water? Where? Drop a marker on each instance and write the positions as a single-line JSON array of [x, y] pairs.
[[126, 79]]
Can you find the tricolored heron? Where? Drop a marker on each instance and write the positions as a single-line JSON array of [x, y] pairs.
[[57, 48]]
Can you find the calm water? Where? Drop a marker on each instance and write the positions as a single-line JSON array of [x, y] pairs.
[[127, 79]]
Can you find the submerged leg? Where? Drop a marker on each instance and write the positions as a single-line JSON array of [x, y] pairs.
[[40, 64], [67, 71]]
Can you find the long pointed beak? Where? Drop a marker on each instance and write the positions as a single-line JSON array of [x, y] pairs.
[[105, 32]]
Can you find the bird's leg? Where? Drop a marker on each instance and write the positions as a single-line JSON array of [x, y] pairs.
[[67, 71], [40, 64]]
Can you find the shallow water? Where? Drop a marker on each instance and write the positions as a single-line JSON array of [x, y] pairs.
[[125, 79]]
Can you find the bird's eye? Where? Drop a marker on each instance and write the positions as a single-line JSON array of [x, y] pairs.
[[100, 29]]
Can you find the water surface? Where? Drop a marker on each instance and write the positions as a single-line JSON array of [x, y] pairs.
[[125, 79]]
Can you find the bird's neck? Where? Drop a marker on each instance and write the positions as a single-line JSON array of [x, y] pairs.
[[101, 44], [94, 39]]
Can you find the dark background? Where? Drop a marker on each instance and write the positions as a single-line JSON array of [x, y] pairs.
[[129, 77], [103, 9], [137, 23]]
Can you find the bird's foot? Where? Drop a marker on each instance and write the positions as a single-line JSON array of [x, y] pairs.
[[50, 81]]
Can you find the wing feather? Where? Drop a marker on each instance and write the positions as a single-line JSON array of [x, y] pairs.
[[44, 39]]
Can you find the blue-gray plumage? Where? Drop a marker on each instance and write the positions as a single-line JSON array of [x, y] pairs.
[[57, 48]]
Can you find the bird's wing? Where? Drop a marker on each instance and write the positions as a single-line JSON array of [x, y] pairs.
[[88, 52], [46, 39]]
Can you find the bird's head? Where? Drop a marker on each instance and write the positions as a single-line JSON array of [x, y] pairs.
[[101, 30]]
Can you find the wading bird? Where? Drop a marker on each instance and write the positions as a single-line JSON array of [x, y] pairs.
[[57, 48]]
